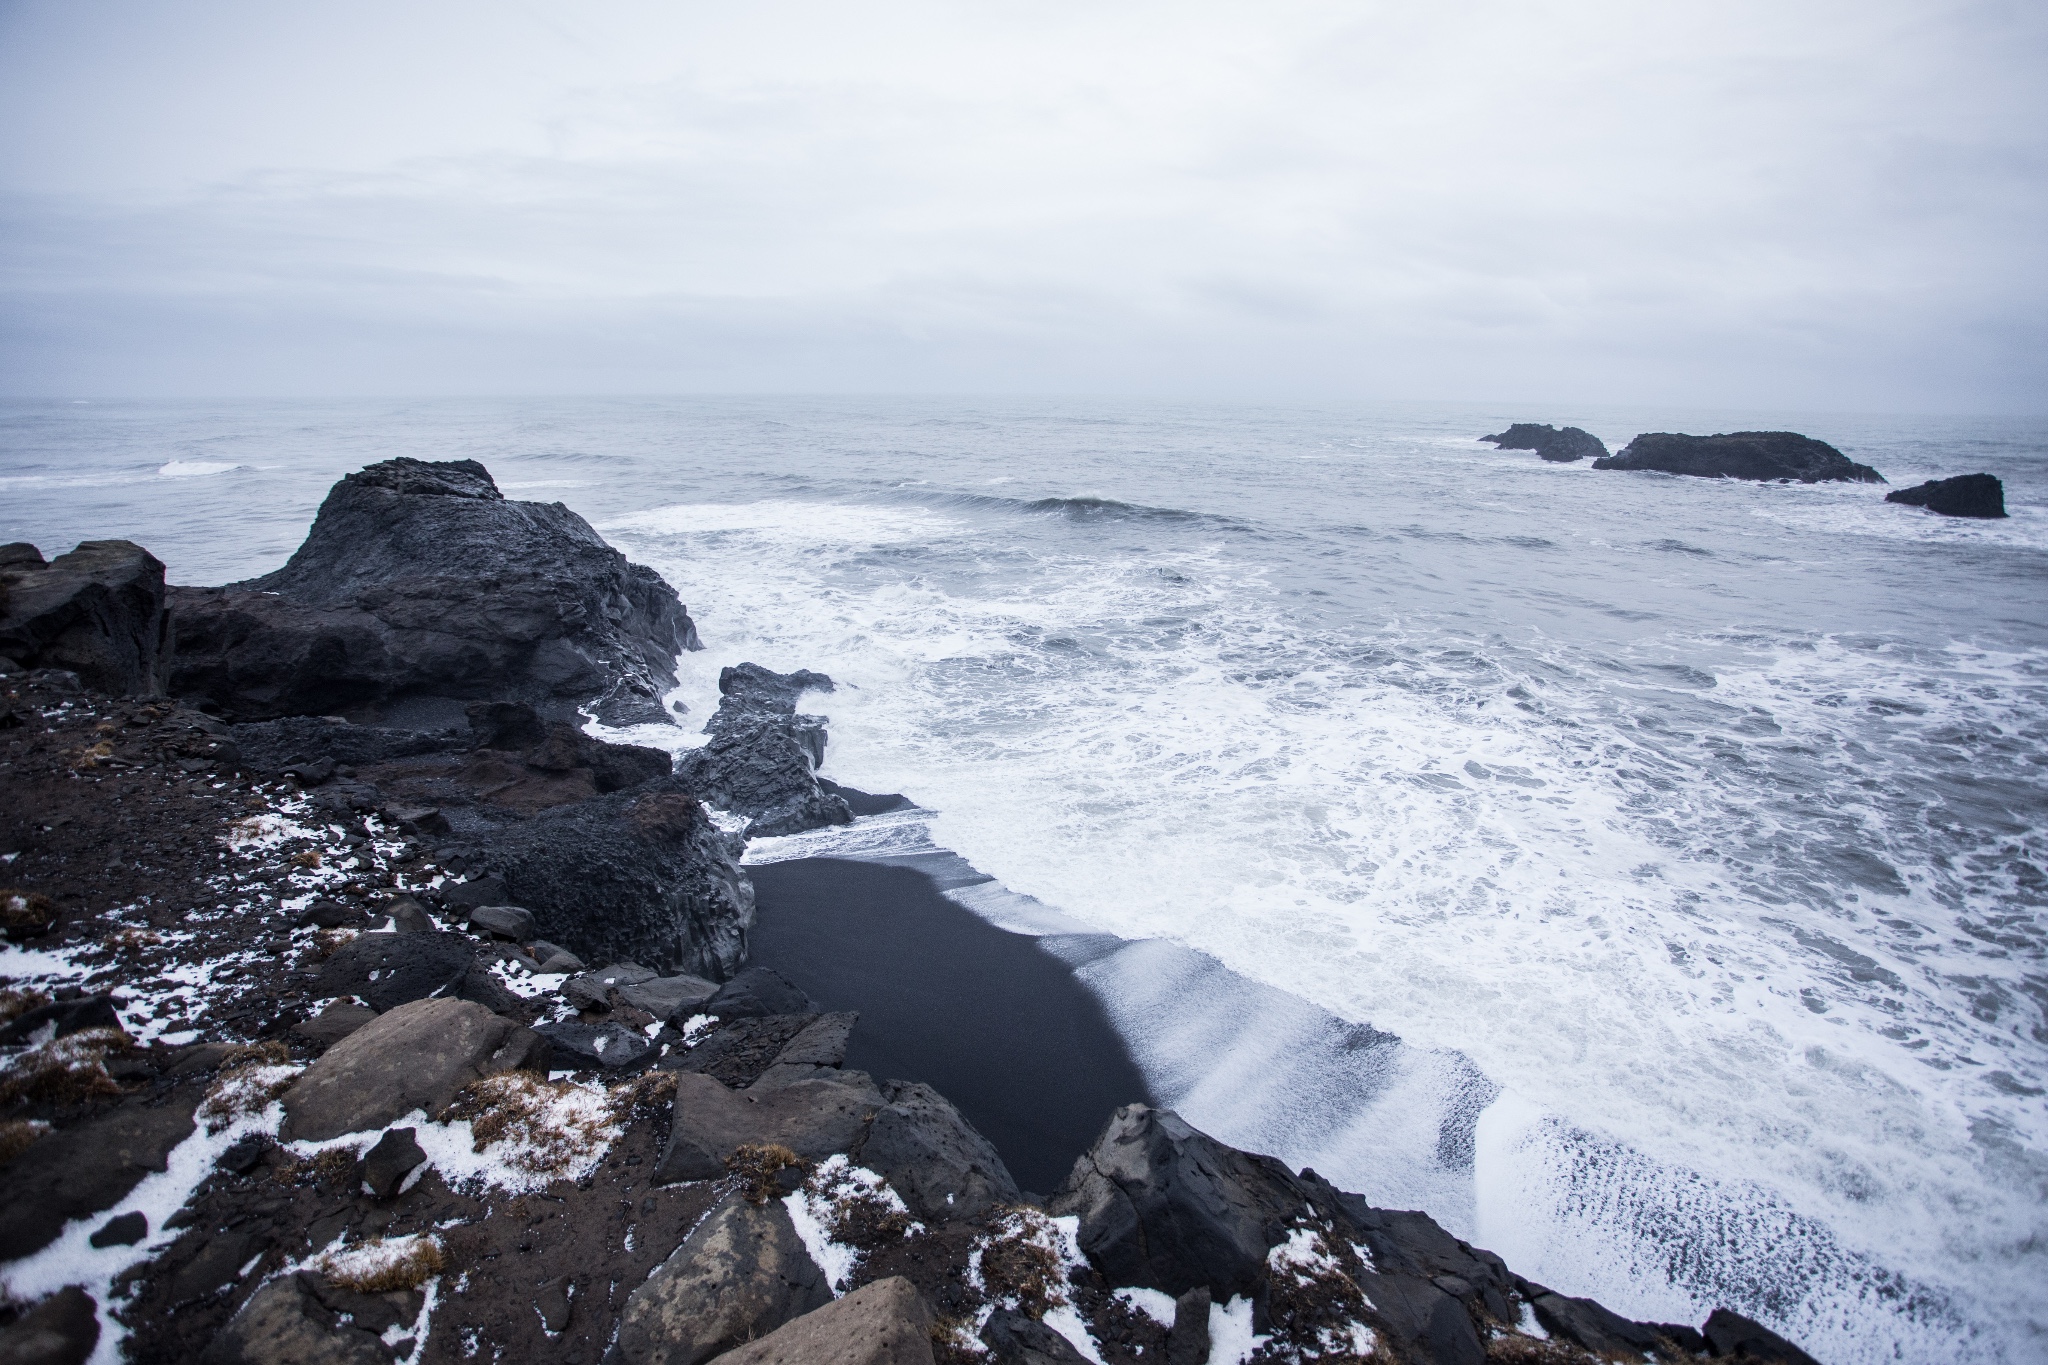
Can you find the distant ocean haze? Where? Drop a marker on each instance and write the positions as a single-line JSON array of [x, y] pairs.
[[1688, 833]]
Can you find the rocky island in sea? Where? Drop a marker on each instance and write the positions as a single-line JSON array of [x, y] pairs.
[[361, 1008]]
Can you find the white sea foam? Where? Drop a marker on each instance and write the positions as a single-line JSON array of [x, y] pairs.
[[195, 469], [1516, 852]]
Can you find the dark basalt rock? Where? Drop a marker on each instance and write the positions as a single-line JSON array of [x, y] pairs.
[[419, 586], [932, 1156], [575, 1047], [762, 759], [1732, 1336], [1166, 1207], [640, 876], [389, 970], [89, 1168], [386, 1165], [1741, 455], [1966, 495], [1557, 445], [97, 612], [59, 1018], [61, 1330], [299, 745], [1015, 1339], [758, 991]]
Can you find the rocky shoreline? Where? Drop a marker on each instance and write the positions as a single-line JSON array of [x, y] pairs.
[[360, 1008]]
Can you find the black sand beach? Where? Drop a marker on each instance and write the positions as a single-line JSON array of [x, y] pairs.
[[988, 1018]]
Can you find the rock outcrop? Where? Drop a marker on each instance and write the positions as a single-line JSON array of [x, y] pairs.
[[642, 876], [97, 612], [421, 586], [1783, 455], [1965, 495], [762, 759], [1555, 444]]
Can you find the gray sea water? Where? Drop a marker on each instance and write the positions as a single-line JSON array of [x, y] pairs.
[[1643, 874]]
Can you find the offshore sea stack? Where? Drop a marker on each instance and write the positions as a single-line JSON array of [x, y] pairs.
[[762, 759], [421, 587], [1786, 456], [1966, 495], [1559, 446]]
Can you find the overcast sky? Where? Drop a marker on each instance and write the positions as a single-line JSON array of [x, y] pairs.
[[1740, 202]]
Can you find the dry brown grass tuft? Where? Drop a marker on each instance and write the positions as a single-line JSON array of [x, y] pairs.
[[132, 938], [17, 1135], [1315, 1310], [337, 1166], [327, 943], [252, 1076], [24, 914], [14, 1004], [547, 1127], [1020, 1262], [757, 1166], [645, 1096], [67, 1070], [381, 1267]]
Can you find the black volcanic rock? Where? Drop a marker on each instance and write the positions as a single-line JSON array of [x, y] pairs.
[[1784, 455], [97, 612], [641, 876], [1557, 445], [762, 759], [1966, 495], [419, 586]]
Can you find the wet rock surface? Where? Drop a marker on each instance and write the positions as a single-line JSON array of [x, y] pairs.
[[762, 759], [1784, 455], [1557, 445], [1965, 495]]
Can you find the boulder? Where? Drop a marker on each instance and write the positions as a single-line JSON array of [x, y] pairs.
[[506, 921], [421, 586], [580, 1047], [1187, 1341], [1014, 1339], [301, 744], [61, 1330], [89, 1169], [389, 970], [758, 991], [643, 875], [386, 1165], [932, 1156], [1163, 1206], [1965, 495], [741, 1052], [556, 747], [1557, 445], [1784, 455], [58, 1018], [123, 1231], [740, 1275], [762, 759], [884, 1323], [97, 612], [818, 1047], [1732, 1336], [284, 1323], [813, 1118], [1407, 1242], [334, 1023], [1426, 1323], [671, 999], [415, 1057]]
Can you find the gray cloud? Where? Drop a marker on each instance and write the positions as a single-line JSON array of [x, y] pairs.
[[1822, 205]]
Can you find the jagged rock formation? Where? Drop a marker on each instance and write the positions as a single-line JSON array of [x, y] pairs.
[[97, 612], [1783, 455], [1557, 445], [762, 759], [421, 586], [1965, 495]]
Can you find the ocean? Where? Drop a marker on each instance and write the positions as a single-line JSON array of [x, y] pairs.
[[1642, 874]]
